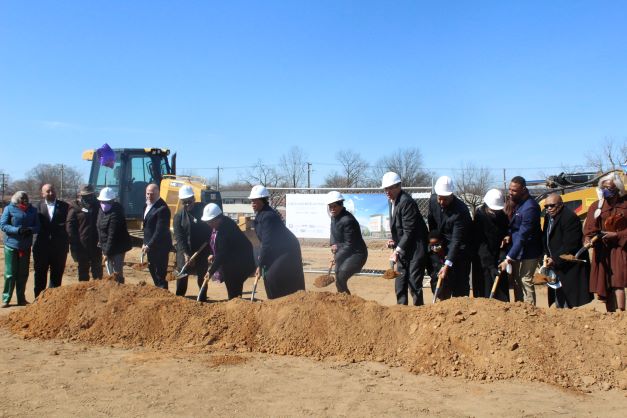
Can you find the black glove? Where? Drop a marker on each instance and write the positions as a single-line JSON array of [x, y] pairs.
[[25, 231]]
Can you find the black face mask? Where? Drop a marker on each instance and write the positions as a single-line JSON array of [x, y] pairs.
[[88, 201]]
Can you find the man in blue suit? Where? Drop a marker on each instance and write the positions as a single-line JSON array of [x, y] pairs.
[[526, 240]]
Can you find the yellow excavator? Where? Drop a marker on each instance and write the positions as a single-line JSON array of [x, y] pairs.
[[133, 169]]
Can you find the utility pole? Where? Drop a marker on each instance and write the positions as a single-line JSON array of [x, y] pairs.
[[308, 175], [4, 185], [504, 179], [61, 191], [218, 181]]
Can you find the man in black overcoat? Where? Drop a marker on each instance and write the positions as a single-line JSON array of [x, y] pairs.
[[563, 234]]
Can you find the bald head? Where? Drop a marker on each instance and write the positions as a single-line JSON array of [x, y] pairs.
[[152, 193], [48, 192], [553, 204]]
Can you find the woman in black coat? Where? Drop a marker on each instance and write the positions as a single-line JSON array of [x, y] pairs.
[[490, 226], [232, 253], [113, 236], [347, 244], [279, 254]]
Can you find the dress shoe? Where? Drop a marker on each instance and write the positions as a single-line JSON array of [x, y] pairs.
[[5, 305], [24, 303]]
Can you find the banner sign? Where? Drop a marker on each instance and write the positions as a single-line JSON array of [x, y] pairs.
[[306, 214]]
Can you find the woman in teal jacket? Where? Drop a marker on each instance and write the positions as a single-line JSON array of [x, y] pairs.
[[19, 222]]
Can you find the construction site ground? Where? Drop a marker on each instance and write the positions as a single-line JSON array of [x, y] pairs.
[[101, 349]]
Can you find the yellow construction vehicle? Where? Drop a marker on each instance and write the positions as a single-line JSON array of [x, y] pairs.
[[578, 190], [133, 169]]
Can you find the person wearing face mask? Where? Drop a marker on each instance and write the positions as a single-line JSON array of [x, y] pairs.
[[563, 235], [51, 244], [19, 222], [525, 236], [157, 238], [83, 233], [347, 245], [113, 234], [191, 233], [608, 217], [489, 226]]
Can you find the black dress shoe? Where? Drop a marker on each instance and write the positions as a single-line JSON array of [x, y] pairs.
[[24, 303], [5, 305]]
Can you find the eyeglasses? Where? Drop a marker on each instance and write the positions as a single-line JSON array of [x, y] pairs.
[[551, 205]]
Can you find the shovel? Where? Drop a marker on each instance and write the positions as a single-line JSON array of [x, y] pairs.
[[183, 273], [589, 245], [203, 287], [494, 286], [141, 264], [323, 281], [252, 294], [438, 286]]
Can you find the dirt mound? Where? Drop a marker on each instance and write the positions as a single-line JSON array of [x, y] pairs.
[[472, 338]]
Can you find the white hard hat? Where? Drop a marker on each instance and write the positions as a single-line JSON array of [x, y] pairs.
[[186, 192], [494, 199], [390, 179], [210, 212], [333, 197], [259, 192], [444, 186], [107, 194]]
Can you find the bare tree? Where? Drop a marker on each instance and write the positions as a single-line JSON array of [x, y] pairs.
[[294, 167], [472, 183], [66, 180], [609, 156], [262, 174], [353, 172], [407, 162]]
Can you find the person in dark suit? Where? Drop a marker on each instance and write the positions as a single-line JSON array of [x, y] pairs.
[[191, 233], [451, 217], [83, 234], [409, 240], [52, 243], [113, 235], [563, 234], [490, 226], [347, 245], [525, 237], [232, 260], [157, 238], [279, 253]]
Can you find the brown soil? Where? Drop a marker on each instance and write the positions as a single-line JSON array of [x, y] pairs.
[[472, 338], [324, 280], [390, 274]]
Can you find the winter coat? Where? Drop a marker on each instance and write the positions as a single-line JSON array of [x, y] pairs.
[[455, 224], [113, 234], [274, 236], [346, 235], [12, 219]]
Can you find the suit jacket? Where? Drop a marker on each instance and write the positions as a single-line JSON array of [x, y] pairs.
[[234, 252], [566, 237], [52, 234], [408, 229], [346, 234], [455, 225], [525, 231], [157, 227]]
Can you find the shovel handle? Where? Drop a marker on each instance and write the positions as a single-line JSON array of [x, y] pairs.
[[437, 289], [494, 285], [204, 286]]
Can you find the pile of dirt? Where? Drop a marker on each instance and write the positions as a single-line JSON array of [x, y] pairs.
[[476, 339]]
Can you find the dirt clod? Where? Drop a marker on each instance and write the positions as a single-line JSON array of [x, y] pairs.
[[390, 274], [324, 280]]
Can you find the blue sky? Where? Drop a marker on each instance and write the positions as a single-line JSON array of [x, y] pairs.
[[525, 85]]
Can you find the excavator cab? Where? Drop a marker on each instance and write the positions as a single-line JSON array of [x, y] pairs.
[[133, 170]]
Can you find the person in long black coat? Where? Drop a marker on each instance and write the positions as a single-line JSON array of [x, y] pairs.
[[490, 227], [449, 215], [347, 245], [563, 234], [409, 240], [157, 238], [279, 254], [232, 258], [113, 235], [81, 227], [51, 244]]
